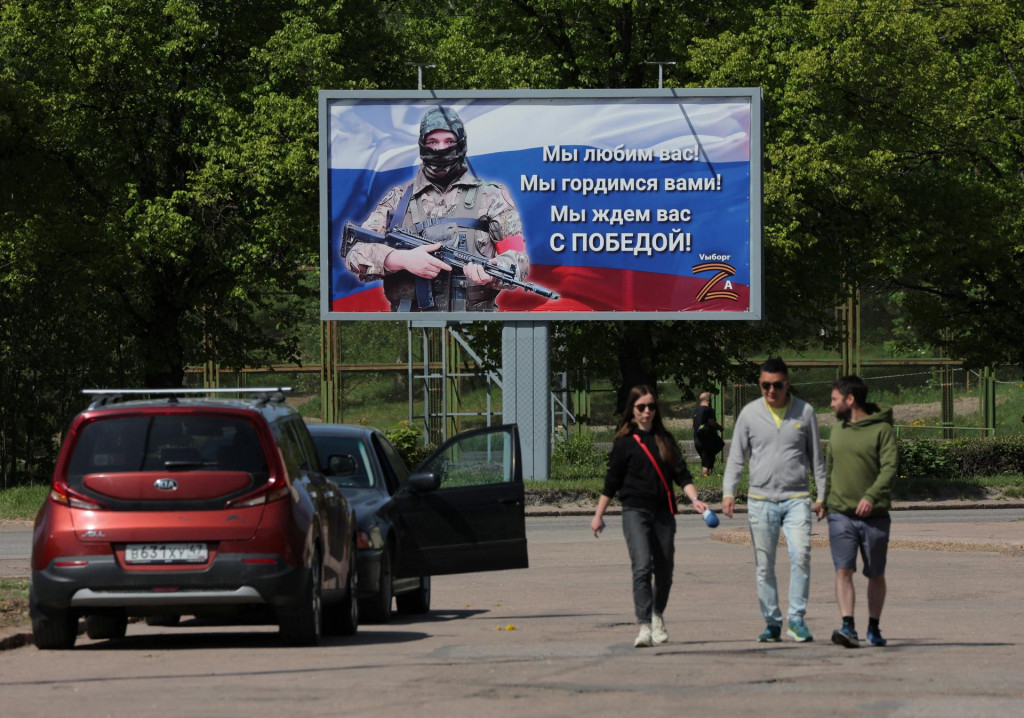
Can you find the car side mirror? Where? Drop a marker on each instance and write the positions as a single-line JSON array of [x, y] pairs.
[[341, 465], [423, 482]]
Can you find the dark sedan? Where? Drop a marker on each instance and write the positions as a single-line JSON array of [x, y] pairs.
[[461, 511]]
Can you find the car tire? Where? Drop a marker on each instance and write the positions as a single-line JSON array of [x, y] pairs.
[[163, 620], [57, 631], [415, 602], [301, 622], [377, 608], [343, 619], [106, 626]]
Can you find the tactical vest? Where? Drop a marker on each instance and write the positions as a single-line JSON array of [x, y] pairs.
[[449, 291]]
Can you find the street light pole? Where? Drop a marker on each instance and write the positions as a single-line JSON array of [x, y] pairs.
[[419, 72], [660, 64]]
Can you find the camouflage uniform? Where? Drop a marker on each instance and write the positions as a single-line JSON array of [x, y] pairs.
[[467, 198]]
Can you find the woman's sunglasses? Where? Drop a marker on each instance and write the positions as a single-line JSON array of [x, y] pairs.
[[641, 407]]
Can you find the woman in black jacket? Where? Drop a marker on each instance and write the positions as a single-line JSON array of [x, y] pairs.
[[644, 462]]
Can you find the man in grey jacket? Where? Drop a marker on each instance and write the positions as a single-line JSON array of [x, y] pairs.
[[778, 435]]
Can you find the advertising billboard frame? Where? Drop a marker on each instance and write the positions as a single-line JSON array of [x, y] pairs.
[[752, 96]]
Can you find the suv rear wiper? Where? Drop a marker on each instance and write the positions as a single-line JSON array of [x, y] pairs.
[[188, 464]]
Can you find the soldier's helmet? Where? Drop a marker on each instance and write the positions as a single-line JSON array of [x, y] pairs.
[[447, 162]]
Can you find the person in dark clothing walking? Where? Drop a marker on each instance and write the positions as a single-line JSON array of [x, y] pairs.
[[645, 460], [706, 439]]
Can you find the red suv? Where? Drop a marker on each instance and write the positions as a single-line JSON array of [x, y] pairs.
[[179, 505]]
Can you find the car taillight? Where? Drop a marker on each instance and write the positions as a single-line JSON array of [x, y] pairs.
[[271, 491], [63, 494]]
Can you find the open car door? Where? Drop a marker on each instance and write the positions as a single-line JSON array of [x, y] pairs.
[[463, 510]]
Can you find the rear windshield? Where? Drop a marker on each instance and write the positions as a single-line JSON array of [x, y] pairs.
[[162, 442]]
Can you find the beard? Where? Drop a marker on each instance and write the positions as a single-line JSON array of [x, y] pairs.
[[844, 414]]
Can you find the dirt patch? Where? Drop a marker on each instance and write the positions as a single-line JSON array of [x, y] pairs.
[[13, 602], [909, 413]]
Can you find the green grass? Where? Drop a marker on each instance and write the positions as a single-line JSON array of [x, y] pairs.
[[22, 502], [568, 485], [1009, 408], [13, 601], [381, 400]]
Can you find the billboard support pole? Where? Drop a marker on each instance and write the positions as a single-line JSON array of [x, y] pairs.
[[330, 406], [526, 391]]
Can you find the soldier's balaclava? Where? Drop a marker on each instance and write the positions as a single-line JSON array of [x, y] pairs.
[[442, 165]]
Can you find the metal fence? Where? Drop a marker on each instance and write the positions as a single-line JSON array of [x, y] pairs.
[[442, 386]]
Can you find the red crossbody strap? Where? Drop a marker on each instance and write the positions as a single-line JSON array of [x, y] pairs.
[[671, 497]]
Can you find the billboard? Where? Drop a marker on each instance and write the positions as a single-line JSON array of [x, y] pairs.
[[538, 205]]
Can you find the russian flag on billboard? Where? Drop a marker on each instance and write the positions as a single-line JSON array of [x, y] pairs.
[[639, 204]]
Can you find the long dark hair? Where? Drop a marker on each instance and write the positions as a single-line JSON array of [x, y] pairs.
[[667, 446]]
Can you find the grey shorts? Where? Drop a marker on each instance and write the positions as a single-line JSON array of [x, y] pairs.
[[848, 535]]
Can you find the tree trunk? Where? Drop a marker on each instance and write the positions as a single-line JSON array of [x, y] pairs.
[[636, 360]]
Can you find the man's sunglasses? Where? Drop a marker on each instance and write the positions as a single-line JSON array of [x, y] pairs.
[[777, 385], [641, 407]]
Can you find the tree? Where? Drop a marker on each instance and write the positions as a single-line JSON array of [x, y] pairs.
[[159, 198], [549, 44], [571, 44], [894, 157]]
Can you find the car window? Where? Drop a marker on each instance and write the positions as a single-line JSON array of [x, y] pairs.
[[391, 471], [310, 462], [291, 449], [476, 460], [168, 442], [396, 460], [353, 470]]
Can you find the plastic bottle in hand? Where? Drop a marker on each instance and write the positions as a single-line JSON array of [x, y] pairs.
[[710, 518]]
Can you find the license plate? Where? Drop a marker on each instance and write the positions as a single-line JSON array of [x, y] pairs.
[[165, 553]]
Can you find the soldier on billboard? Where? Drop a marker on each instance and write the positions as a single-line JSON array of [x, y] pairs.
[[468, 221]]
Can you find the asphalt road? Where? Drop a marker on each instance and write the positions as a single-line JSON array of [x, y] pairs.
[[556, 640]]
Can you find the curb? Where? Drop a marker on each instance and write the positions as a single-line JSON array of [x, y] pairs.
[[576, 510]]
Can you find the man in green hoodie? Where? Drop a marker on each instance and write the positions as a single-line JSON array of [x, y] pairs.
[[860, 467]]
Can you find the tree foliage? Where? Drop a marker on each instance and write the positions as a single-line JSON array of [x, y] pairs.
[[893, 157], [159, 198], [158, 203]]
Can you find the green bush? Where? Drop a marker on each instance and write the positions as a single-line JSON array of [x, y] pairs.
[[409, 443], [926, 459], [961, 458], [988, 457], [577, 458]]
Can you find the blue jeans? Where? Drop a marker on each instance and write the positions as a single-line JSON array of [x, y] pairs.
[[650, 538], [793, 517]]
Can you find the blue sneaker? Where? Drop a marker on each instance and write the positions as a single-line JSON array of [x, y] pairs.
[[846, 637], [875, 637], [772, 634], [798, 631]]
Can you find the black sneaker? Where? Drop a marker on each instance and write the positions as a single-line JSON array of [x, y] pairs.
[[846, 637]]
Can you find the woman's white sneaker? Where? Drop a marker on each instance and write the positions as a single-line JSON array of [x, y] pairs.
[[643, 639], [659, 634]]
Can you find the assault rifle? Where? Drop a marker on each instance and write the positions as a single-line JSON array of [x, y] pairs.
[[454, 257]]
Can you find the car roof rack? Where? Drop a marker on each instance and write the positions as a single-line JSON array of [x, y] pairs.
[[261, 395]]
